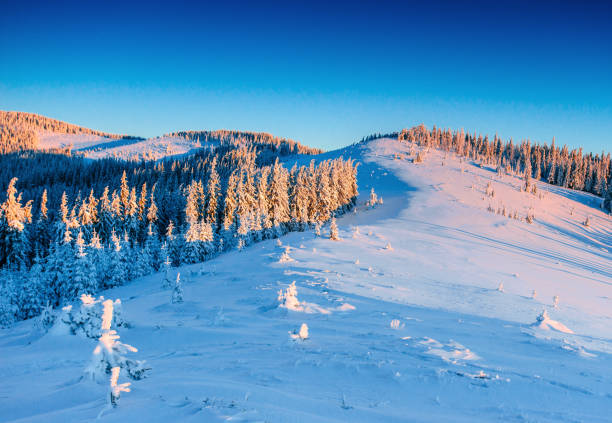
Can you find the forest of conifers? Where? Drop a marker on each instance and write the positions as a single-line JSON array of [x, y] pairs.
[[72, 226]]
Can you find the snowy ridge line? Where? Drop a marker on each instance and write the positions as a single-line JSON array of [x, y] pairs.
[[575, 169]]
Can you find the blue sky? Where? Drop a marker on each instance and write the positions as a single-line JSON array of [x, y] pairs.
[[324, 74]]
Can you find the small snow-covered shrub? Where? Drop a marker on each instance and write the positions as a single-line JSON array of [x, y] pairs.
[[86, 320], [396, 324], [47, 318], [288, 298], [333, 230], [285, 257], [373, 200], [167, 282], [301, 335], [545, 322], [500, 287], [110, 352], [7, 313], [177, 292], [490, 191]]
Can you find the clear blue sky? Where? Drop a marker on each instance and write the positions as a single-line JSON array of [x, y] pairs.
[[325, 73]]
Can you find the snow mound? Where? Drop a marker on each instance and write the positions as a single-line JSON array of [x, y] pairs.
[[346, 307], [285, 257], [288, 299], [451, 352], [546, 323], [301, 335]]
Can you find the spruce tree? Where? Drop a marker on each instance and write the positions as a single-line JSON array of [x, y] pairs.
[[212, 195], [84, 279], [117, 272], [333, 230], [177, 291]]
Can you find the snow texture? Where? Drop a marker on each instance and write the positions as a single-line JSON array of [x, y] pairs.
[[418, 332]]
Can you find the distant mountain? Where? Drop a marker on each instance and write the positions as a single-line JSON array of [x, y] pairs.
[[29, 131]]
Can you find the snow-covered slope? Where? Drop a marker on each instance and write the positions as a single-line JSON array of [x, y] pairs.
[[149, 149], [48, 140], [406, 317]]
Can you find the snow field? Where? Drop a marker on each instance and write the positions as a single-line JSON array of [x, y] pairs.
[[415, 332]]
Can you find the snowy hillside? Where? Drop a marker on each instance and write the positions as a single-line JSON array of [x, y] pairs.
[[149, 149], [98, 147], [430, 307], [50, 140]]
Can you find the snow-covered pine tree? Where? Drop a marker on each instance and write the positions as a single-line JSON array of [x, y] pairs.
[[167, 265], [153, 248], [174, 244], [278, 199], [41, 233], [34, 293], [324, 197], [105, 221], [229, 210], [527, 177], [373, 200], [207, 238], [132, 223], [243, 213], [192, 251], [333, 230], [212, 195], [152, 212], [243, 233], [84, 279], [14, 246], [124, 196], [108, 357], [177, 291], [117, 273], [607, 203], [301, 199], [262, 202], [97, 256]]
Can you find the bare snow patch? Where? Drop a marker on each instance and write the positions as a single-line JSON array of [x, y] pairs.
[[451, 352]]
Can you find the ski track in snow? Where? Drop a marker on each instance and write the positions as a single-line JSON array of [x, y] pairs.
[[416, 332]]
